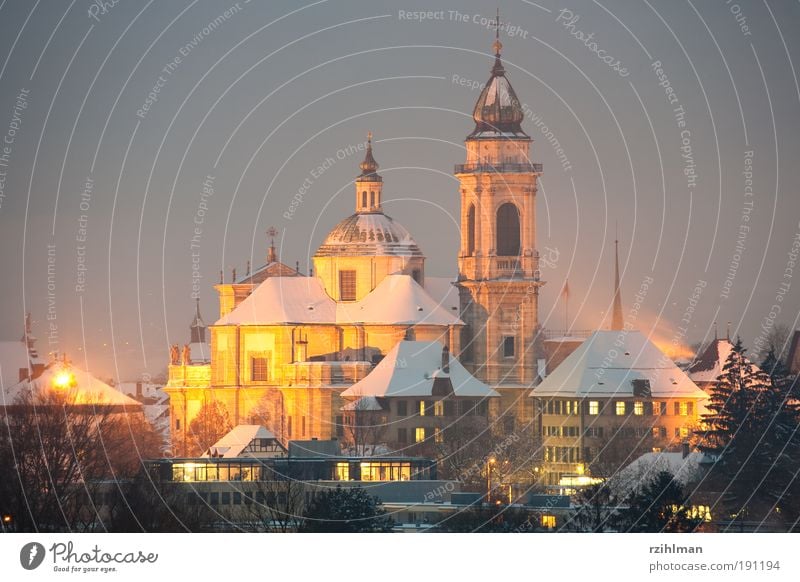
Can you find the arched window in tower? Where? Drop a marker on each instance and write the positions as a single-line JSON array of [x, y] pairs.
[[471, 230], [372, 199], [508, 230], [364, 199]]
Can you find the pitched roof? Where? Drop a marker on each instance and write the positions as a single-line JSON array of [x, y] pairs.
[[234, 443], [397, 299], [86, 389], [709, 364], [410, 370], [607, 363]]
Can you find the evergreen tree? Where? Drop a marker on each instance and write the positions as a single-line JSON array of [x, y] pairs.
[[347, 510], [660, 506], [751, 433]]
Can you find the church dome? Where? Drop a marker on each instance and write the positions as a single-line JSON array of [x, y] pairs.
[[369, 234], [498, 110]]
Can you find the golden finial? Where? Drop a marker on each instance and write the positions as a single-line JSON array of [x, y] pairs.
[[498, 46]]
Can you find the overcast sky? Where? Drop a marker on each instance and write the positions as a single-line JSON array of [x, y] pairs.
[[253, 100]]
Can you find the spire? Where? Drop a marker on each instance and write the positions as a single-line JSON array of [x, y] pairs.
[[616, 317], [498, 47], [198, 327], [272, 256], [369, 166], [369, 183]]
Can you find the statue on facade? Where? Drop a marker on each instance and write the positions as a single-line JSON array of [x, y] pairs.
[[187, 354], [173, 355]]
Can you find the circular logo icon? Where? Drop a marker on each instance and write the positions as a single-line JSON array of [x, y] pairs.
[[31, 555]]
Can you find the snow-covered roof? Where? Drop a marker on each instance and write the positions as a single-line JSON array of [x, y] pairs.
[[642, 470], [14, 357], [86, 389], [365, 403], [410, 370], [397, 299], [369, 233], [234, 443], [607, 363], [708, 365]]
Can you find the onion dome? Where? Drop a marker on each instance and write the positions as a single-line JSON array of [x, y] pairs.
[[369, 167], [498, 112]]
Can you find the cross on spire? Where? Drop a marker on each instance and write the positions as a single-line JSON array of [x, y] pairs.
[[498, 46], [271, 233]]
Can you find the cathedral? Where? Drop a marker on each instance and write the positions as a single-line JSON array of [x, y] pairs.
[[292, 351]]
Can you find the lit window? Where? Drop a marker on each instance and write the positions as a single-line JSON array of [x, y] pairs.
[[438, 436], [549, 521], [684, 408], [422, 408], [684, 432], [508, 346], [347, 285], [594, 408], [620, 408], [419, 434], [656, 432], [438, 408], [638, 408], [260, 369]]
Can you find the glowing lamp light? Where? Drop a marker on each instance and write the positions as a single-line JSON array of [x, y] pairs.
[[6, 519], [63, 379]]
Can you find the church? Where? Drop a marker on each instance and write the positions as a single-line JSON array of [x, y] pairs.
[[293, 352]]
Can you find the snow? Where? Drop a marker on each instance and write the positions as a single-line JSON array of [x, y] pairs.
[[232, 444], [397, 300], [710, 363], [606, 363], [644, 469], [87, 389], [409, 370]]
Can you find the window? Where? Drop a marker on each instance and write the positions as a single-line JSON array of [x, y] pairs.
[[339, 426], [594, 408], [638, 408], [471, 230], [237, 498], [372, 199], [419, 434], [690, 408], [549, 521], [289, 426], [677, 408], [214, 499], [303, 425], [684, 408], [663, 408], [347, 285], [507, 230], [684, 432], [620, 409], [438, 436], [663, 432], [402, 408], [177, 424], [438, 408], [342, 471], [259, 369], [402, 437], [450, 407], [656, 432], [508, 346], [421, 407], [364, 199]]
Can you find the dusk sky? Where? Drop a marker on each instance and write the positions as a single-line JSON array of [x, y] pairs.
[[677, 124]]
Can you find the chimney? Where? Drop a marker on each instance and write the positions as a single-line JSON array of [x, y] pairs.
[[446, 359], [685, 449], [138, 390]]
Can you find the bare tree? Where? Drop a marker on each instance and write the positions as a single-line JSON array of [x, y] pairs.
[[269, 412], [365, 426], [57, 454], [211, 424], [277, 502]]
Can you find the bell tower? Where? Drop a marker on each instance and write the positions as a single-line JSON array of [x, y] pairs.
[[498, 263]]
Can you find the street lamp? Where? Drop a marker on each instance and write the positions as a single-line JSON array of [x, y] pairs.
[[489, 462]]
